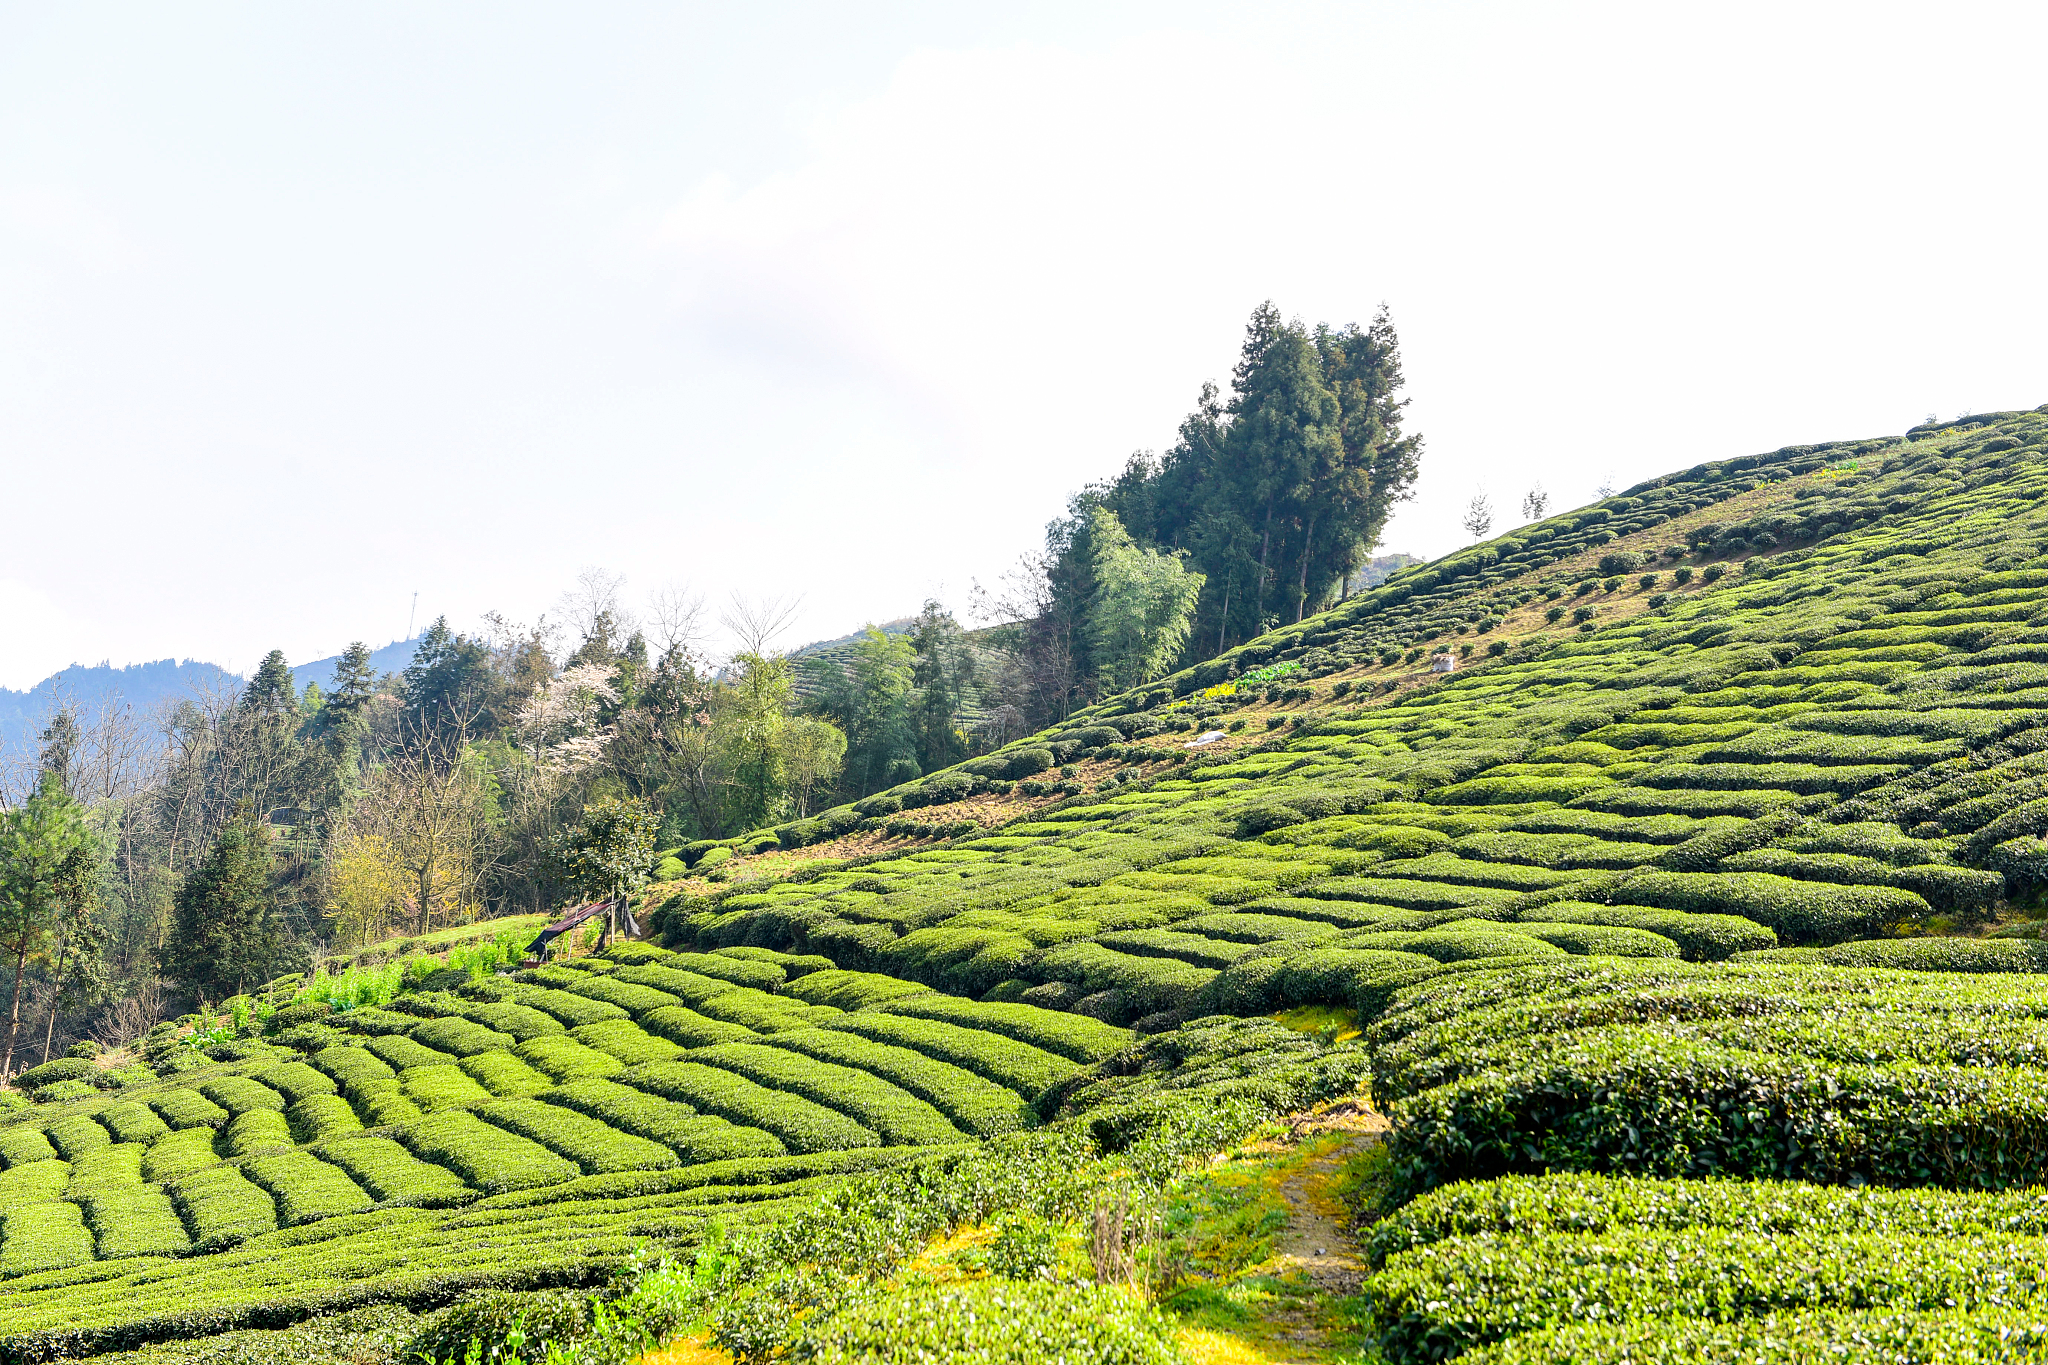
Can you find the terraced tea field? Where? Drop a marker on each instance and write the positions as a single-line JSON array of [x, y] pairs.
[[1686, 923]]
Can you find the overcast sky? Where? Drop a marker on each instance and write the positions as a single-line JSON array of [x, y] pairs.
[[307, 308]]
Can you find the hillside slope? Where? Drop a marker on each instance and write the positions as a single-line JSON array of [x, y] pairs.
[[1683, 889]]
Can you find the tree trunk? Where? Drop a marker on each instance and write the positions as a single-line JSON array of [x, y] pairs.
[[56, 995], [1265, 543], [1308, 543], [14, 1019], [1223, 624]]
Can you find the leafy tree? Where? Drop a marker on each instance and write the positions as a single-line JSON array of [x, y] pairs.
[[449, 685], [610, 854], [272, 691], [354, 684], [226, 932], [78, 975], [748, 719], [1277, 494], [813, 754], [869, 699], [1144, 602], [365, 886], [944, 669], [39, 839], [61, 740]]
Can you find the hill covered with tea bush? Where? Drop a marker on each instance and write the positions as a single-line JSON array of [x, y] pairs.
[[1685, 921]]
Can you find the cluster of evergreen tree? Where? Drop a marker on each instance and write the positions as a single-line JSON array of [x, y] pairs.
[[1271, 501]]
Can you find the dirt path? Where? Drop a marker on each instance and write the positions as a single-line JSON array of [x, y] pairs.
[[1315, 1243]]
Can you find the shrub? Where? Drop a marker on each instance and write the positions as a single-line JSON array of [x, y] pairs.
[[131, 1122], [1082, 1040], [403, 1053], [392, 1175], [442, 1086], [761, 976], [1800, 912], [130, 1220], [565, 1059], [696, 1137], [1713, 572], [800, 1124], [764, 1013], [221, 1207], [1700, 938], [1604, 940], [625, 1040], [1019, 1066], [898, 1117], [61, 1069], [977, 1106], [74, 1135], [254, 1130], [519, 1021], [1597, 1204], [1619, 562], [1941, 954], [687, 1028], [1952, 889], [505, 1075], [1448, 1297], [1647, 582], [49, 1236], [489, 1158], [569, 1009], [295, 1081], [634, 999], [486, 1321], [352, 1068], [318, 1117], [306, 1188], [582, 1139], [850, 990], [180, 1154], [1682, 574], [1001, 1322]]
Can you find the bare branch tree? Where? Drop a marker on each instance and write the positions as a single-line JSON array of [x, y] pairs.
[[678, 619], [597, 596], [427, 803], [756, 622], [1535, 503]]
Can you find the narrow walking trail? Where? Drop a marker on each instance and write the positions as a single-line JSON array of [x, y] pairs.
[[1313, 1260]]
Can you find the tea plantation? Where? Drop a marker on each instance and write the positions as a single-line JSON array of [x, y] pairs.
[[1686, 924]]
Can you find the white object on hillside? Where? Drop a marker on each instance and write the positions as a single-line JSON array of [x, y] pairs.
[[1443, 663], [1206, 737]]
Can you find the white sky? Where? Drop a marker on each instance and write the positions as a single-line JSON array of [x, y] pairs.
[[304, 308]]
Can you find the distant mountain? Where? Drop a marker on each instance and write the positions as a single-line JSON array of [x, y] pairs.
[[140, 686], [145, 686], [392, 658]]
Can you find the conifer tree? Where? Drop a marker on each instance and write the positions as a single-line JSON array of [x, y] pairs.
[[38, 838], [226, 933]]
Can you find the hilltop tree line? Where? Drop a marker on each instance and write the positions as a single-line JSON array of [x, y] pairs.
[[155, 861], [1261, 513]]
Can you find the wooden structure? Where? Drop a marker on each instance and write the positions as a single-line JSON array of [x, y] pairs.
[[582, 915]]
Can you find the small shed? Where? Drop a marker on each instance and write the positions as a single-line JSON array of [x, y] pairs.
[[581, 915]]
